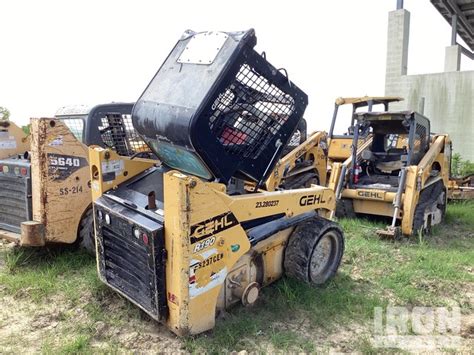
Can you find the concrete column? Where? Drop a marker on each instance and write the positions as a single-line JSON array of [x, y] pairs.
[[397, 48], [452, 59]]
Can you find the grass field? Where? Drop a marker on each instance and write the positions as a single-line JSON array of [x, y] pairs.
[[52, 301]]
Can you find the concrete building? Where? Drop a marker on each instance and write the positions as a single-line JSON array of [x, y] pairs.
[[448, 96]]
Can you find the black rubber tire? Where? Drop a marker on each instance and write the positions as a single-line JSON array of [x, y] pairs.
[[303, 243], [427, 197], [86, 238], [345, 208]]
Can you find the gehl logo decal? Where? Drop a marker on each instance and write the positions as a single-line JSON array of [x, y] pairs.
[[212, 226], [370, 194], [309, 200]]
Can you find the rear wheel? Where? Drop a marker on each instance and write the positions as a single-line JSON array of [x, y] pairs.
[[314, 251], [85, 238]]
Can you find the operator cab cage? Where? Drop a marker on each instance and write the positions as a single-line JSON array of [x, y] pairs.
[[404, 133], [105, 125], [217, 109], [358, 102]]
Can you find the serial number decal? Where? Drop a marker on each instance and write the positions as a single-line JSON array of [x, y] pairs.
[[370, 194], [60, 167], [206, 262], [206, 243], [206, 271], [212, 226], [262, 204], [309, 200], [112, 166], [70, 190]]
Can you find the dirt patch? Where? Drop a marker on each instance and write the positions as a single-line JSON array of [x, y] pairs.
[[27, 328]]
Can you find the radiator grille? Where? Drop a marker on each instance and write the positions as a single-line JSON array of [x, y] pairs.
[[127, 267], [15, 202]]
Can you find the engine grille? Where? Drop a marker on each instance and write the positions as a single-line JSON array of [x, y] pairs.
[[133, 266], [15, 202], [126, 267]]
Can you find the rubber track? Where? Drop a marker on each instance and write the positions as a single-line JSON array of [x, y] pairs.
[[345, 208], [427, 197]]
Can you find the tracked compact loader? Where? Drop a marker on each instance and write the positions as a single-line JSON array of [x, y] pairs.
[[340, 141], [44, 177], [308, 160], [401, 172], [186, 239]]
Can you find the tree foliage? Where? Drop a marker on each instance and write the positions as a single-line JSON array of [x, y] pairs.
[[4, 114], [461, 167]]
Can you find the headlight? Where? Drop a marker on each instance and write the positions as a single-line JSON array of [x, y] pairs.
[[100, 215], [107, 218]]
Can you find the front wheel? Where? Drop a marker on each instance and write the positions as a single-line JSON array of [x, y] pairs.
[[314, 251], [86, 238]]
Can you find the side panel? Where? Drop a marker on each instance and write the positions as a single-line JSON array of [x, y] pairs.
[[204, 239], [108, 169], [60, 179], [373, 207], [199, 234], [410, 200], [12, 140], [340, 148]]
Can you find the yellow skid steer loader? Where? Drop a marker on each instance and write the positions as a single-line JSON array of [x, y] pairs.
[[185, 240], [401, 172], [44, 178]]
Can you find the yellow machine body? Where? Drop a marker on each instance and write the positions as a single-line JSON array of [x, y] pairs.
[[210, 226], [13, 140], [45, 185], [432, 168], [60, 190], [210, 261]]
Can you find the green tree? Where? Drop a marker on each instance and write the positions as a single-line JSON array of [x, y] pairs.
[[4, 114], [26, 129], [461, 167]]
